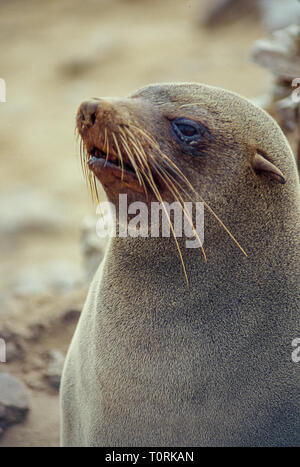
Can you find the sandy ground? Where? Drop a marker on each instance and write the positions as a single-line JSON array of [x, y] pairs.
[[53, 55]]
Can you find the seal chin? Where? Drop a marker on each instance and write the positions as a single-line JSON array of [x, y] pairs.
[[106, 168]]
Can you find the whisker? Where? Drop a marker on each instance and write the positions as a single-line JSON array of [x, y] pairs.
[[159, 198], [194, 191], [132, 160], [179, 198], [145, 166], [107, 146], [119, 155], [156, 192]]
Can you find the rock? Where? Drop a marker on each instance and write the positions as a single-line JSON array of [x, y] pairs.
[[62, 275], [37, 363], [14, 404], [99, 50], [280, 54], [58, 276], [12, 347], [225, 11], [35, 331], [286, 109], [263, 101], [277, 14], [6, 333], [281, 89], [26, 209], [29, 282], [10, 306], [14, 351], [71, 315], [55, 368]]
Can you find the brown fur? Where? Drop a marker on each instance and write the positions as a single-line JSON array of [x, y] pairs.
[[156, 363]]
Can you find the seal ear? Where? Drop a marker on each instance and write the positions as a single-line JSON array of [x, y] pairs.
[[262, 165]]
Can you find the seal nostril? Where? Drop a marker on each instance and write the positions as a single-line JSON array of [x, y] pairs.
[[93, 118]]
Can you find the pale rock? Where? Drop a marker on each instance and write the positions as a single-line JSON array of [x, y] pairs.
[[14, 403], [55, 368]]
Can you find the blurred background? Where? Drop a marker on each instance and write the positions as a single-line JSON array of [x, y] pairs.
[[54, 54]]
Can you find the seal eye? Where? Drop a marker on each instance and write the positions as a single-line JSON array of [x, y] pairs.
[[186, 130], [192, 136]]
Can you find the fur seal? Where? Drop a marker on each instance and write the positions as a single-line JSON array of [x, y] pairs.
[[155, 362]]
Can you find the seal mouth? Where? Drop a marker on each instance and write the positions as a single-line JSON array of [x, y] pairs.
[[101, 163], [100, 158]]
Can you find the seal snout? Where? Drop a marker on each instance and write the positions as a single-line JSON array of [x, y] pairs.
[[87, 113]]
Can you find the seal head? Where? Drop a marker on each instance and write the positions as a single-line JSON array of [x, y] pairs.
[[167, 135]]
